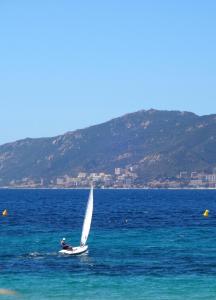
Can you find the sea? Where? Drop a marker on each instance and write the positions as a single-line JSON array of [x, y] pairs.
[[143, 244]]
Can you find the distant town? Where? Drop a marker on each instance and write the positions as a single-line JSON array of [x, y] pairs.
[[121, 178]]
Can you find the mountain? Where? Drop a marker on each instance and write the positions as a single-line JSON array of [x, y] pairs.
[[153, 143]]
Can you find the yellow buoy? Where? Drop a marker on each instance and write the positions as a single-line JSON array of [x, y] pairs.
[[5, 213], [206, 213]]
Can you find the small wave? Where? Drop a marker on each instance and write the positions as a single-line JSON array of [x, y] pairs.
[[34, 254], [40, 254]]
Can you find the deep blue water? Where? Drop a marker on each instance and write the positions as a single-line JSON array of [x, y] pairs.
[[143, 244]]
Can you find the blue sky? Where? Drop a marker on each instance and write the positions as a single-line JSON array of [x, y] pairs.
[[70, 64]]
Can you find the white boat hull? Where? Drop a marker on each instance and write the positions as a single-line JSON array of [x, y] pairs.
[[75, 251]]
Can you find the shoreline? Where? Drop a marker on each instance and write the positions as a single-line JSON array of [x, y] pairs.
[[98, 188]]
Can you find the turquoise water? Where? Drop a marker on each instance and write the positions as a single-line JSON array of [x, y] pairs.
[[143, 245]]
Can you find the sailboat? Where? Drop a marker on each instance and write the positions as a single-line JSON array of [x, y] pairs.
[[85, 229]]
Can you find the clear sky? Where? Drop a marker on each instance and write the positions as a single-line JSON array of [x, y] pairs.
[[70, 64]]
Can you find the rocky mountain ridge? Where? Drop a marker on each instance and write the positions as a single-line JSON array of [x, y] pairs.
[[154, 143]]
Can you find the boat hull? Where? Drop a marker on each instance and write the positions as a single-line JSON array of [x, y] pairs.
[[75, 251]]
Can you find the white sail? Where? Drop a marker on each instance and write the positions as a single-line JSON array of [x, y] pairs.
[[87, 219]]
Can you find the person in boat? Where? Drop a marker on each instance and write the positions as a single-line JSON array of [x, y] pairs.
[[65, 246]]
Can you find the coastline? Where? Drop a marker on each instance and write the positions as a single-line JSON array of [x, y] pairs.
[[105, 188]]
